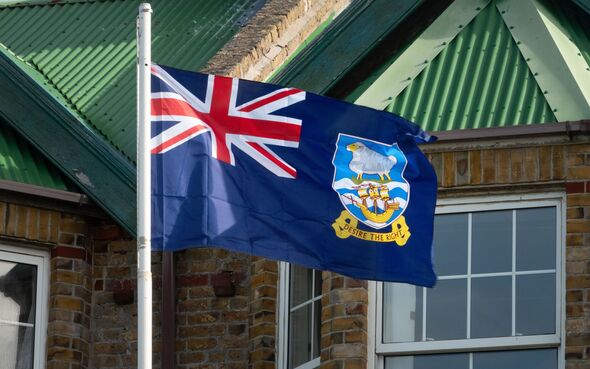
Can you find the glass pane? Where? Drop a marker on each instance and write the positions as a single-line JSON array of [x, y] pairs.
[[318, 283], [300, 336], [402, 313], [446, 310], [301, 284], [450, 244], [446, 361], [535, 304], [18, 290], [317, 324], [491, 307], [522, 359], [535, 239], [491, 242]]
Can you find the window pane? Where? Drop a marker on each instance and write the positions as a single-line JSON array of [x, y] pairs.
[[300, 336], [450, 244], [446, 361], [535, 239], [522, 359], [446, 310], [491, 307], [17, 310], [535, 304], [317, 324], [492, 242], [402, 313], [301, 285], [318, 283]]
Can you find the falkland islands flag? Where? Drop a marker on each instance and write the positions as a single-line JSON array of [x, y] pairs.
[[289, 175]]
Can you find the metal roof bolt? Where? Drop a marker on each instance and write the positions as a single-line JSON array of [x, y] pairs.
[[478, 8], [545, 92], [503, 12], [536, 74], [528, 59], [460, 26], [511, 27], [409, 78], [555, 110], [425, 61]]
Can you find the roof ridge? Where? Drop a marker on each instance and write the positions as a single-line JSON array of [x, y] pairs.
[[32, 3]]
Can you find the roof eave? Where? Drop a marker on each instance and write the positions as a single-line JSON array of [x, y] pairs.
[[103, 174]]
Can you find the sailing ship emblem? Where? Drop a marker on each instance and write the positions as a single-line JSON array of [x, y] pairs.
[[369, 180]]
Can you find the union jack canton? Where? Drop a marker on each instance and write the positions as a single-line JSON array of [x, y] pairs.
[[289, 175], [250, 126]]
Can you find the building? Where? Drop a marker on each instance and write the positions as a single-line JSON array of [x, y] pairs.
[[503, 83]]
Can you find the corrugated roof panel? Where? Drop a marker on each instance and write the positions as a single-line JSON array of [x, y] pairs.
[[576, 22], [86, 50], [19, 162], [480, 80]]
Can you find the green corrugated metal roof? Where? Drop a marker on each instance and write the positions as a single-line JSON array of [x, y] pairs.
[[480, 80], [87, 51], [20, 162]]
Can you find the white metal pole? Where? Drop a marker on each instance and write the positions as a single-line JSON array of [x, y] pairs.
[[144, 273]]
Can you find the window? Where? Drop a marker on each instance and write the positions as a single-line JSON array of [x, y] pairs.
[[23, 304], [497, 302], [299, 317]]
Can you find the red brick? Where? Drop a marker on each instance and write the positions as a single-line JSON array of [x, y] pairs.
[[192, 280], [107, 232], [574, 187], [68, 252]]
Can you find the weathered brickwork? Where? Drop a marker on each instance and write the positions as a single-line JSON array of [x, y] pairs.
[[66, 238], [271, 36], [344, 327], [212, 331], [114, 315], [263, 308], [536, 169], [482, 168]]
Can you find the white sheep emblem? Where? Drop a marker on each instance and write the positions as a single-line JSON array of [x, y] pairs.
[[367, 161]]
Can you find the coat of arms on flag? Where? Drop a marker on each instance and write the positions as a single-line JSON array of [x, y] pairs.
[[369, 180]]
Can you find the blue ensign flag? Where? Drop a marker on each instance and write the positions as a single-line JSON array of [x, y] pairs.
[[289, 175]]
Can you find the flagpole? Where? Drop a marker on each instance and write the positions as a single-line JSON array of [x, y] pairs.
[[144, 273]]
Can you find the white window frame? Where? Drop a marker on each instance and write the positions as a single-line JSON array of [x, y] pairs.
[[283, 320], [39, 258], [474, 204]]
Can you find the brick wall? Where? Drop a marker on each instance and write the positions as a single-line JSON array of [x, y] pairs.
[[114, 315], [65, 237], [344, 322], [263, 313], [212, 331]]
